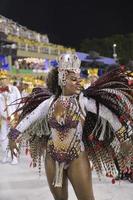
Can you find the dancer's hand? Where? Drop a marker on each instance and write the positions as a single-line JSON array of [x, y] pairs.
[[13, 148], [13, 135], [126, 147]]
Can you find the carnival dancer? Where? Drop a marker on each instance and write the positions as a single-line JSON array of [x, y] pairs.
[[75, 125], [8, 94]]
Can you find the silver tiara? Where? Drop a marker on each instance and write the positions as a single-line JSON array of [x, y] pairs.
[[67, 62]]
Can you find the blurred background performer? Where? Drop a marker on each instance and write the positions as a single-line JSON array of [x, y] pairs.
[[8, 94]]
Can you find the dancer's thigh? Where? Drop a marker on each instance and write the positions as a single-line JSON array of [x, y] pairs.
[[59, 193], [79, 174]]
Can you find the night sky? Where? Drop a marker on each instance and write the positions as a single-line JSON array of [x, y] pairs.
[[67, 22]]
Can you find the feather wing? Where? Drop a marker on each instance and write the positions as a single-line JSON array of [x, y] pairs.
[[37, 133], [102, 143]]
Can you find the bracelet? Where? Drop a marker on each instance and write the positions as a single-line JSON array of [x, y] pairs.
[[13, 134]]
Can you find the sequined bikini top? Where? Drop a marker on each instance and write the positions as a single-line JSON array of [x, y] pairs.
[[64, 113]]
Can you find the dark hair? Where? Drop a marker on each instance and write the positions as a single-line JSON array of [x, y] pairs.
[[15, 83], [52, 82]]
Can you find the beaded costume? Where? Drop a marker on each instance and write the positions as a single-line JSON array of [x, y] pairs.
[[99, 120]]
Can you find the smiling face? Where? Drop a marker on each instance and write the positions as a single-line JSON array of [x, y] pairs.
[[72, 85]]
